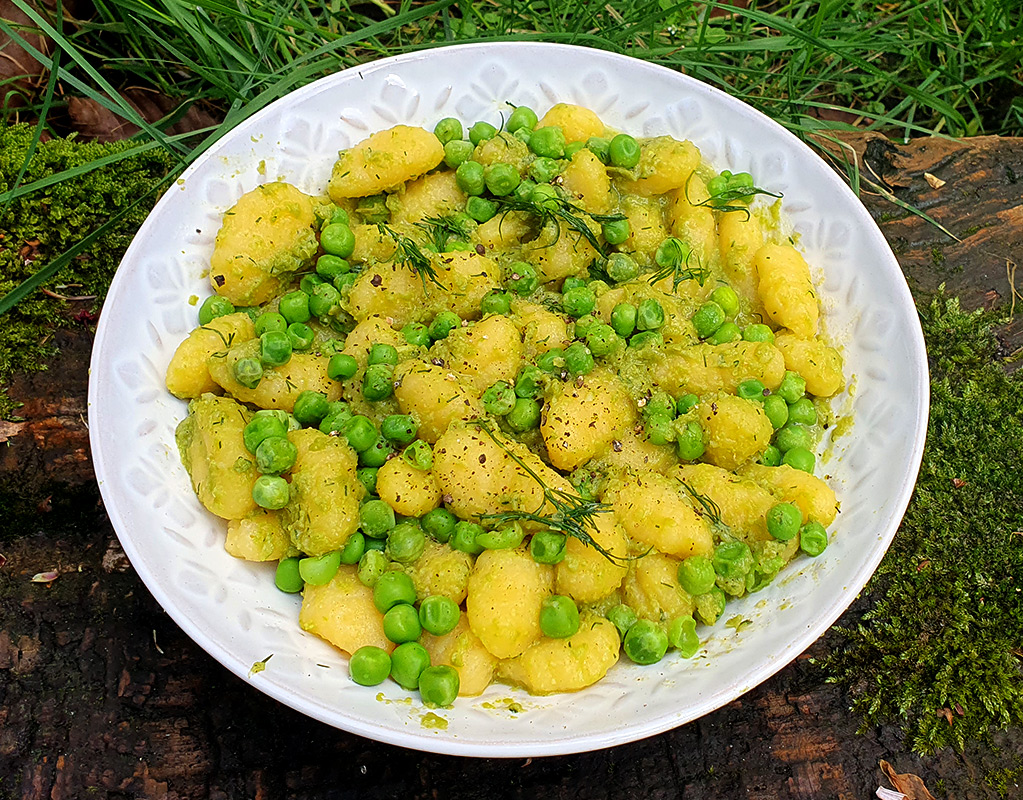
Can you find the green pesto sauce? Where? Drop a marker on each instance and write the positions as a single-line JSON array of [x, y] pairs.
[[431, 720]]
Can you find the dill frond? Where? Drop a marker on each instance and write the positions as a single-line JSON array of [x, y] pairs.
[[441, 229], [407, 252], [676, 265], [555, 209]]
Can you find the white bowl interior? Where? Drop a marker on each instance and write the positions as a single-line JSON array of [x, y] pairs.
[[231, 608]]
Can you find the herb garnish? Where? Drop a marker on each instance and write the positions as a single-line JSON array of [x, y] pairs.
[[441, 229], [572, 516], [407, 252], [673, 262], [552, 209]]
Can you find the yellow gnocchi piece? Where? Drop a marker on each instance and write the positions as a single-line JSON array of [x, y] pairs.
[[187, 375], [443, 571], [586, 181], [484, 353], [655, 512], [586, 574], [819, 364], [258, 537], [783, 280], [462, 649], [651, 588], [409, 491], [435, 396], [664, 164], [737, 430], [343, 613], [809, 493], [384, 161], [576, 122]]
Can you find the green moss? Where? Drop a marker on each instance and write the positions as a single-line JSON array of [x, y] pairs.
[[38, 227], [938, 651]]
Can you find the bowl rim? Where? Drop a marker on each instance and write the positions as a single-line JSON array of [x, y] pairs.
[[620, 734]]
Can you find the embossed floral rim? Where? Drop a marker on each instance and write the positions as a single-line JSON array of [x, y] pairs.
[[230, 608]]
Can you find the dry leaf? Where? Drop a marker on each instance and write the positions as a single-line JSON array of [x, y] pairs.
[[99, 123], [45, 577], [889, 794], [934, 181], [907, 783]]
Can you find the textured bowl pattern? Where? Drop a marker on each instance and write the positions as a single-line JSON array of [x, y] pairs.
[[231, 608]]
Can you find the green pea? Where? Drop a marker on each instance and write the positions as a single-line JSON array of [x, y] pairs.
[[813, 538], [448, 130], [495, 302], [439, 614], [671, 251], [530, 382], [544, 170], [301, 336], [800, 458], [696, 575], [443, 324], [803, 412], [377, 454], [646, 339], [771, 456], [382, 354], [399, 428], [469, 177], [372, 566], [481, 209], [578, 301], [548, 547], [378, 382], [262, 427], [524, 190], [757, 332], [271, 491], [659, 429], [438, 686], [777, 410], [248, 372], [524, 416], [329, 267], [623, 319], [457, 152], [783, 521], [602, 339], [733, 559], [507, 538], [393, 587], [523, 117], [405, 543], [600, 147], [275, 455], [287, 577], [481, 131], [319, 570], [728, 332], [621, 267], [464, 538], [214, 306], [501, 179], [584, 325], [418, 455], [311, 407], [343, 282], [623, 151], [369, 666], [376, 518], [401, 624], [707, 319], [649, 315], [573, 282], [559, 617], [682, 636], [368, 478], [272, 321], [416, 334], [553, 361], [689, 441], [310, 282], [499, 399], [354, 548], [548, 142], [338, 240], [751, 389], [792, 387], [439, 524], [792, 435], [579, 359], [686, 403], [717, 185], [274, 348], [324, 299], [572, 148], [338, 215], [341, 367], [710, 606], [726, 297], [524, 279], [622, 617], [646, 642]]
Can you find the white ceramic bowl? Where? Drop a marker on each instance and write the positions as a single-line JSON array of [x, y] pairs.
[[231, 608]]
